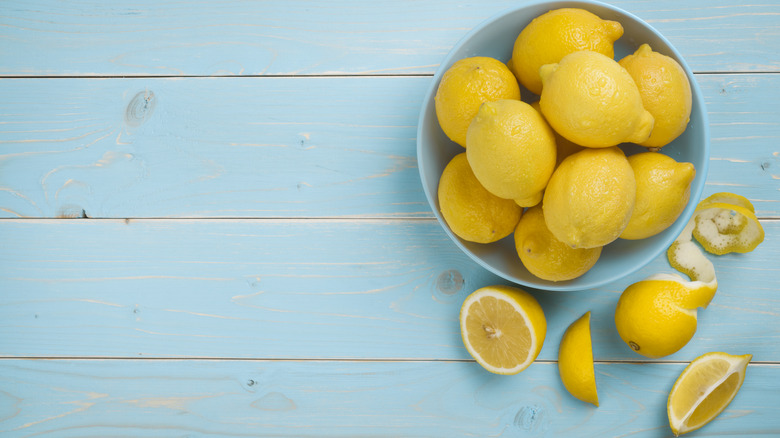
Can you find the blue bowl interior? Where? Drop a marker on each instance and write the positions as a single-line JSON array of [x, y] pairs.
[[495, 38]]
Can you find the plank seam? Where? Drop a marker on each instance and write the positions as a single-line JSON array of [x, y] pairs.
[[305, 76], [346, 360]]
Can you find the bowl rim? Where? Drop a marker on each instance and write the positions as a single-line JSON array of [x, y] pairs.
[[697, 186]]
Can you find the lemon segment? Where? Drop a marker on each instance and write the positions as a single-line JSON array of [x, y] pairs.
[[547, 257], [465, 86], [575, 361], [663, 188], [503, 328], [471, 212], [665, 91], [555, 34], [704, 389], [657, 316]]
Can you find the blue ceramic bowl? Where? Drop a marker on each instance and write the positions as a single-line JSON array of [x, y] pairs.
[[495, 38]]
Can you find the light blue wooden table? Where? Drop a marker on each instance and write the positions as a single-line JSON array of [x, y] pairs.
[[212, 224]]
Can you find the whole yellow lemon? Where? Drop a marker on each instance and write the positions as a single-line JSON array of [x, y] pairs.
[[511, 150], [665, 91], [555, 34], [593, 101], [465, 86], [657, 316], [547, 257], [663, 187], [471, 212], [590, 197]]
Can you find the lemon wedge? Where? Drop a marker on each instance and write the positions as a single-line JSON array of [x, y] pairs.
[[503, 328], [704, 389], [575, 361]]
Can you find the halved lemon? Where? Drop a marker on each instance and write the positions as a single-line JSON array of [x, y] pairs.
[[704, 389], [503, 328]]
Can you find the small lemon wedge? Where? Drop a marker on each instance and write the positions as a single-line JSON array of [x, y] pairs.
[[503, 328], [704, 389], [575, 361]]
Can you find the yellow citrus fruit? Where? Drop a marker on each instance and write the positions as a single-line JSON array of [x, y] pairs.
[[728, 198], [471, 212], [503, 328], [511, 149], [657, 316], [555, 34], [564, 147], [590, 197], [704, 389], [724, 228], [465, 86], [575, 361], [665, 91], [593, 101], [663, 187], [722, 223], [547, 257]]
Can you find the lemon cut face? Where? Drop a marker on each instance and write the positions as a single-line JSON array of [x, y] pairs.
[[704, 389], [503, 328]]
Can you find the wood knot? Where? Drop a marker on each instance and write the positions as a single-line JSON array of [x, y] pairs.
[[450, 282], [140, 108]]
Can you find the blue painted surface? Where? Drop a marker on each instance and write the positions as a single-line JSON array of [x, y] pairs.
[[254, 256]]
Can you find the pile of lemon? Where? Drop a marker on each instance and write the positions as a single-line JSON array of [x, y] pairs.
[[551, 172]]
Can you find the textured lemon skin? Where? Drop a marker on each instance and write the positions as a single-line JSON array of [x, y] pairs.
[[511, 149], [575, 361], [564, 147], [531, 312], [663, 188], [717, 374], [657, 317], [665, 91], [547, 257], [590, 197], [471, 212], [593, 101], [465, 86], [555, 34]]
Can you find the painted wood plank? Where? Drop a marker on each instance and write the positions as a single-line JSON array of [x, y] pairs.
[[140, 398], [303, 289], [283, 147], [147, 37]]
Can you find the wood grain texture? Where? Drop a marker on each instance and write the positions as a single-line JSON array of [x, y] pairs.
[[94, 398], [283, 147], [308, 289], [147, 37]]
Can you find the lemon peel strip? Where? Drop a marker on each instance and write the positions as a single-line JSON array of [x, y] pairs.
[[724, 228]]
